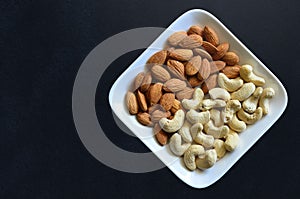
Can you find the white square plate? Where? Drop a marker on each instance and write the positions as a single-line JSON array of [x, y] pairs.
[[198, 179]]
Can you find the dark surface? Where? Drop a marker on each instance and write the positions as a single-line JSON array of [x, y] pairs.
[[43, 43]]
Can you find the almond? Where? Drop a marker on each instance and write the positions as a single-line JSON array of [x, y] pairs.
[[158, 57], [204, 71], [191, 41], [166, 101], [160, 135], [210, 48], [202, 53], [144, 119], [146, 82], [141, 100], [210, 83], [232, 71], [154, 107], [221, 50], [154, 93], [216, 66], [158, 114], [132, 103], [186, 93], [174, 85], [194, 81], [176, 37], [193, 66], [181, 54], [211, 36], [160, 74], [231, 58], [195, 30], [138, 80], [176, 106], [176, 68]]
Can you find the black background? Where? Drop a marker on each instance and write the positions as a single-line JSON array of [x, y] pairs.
[[43, 44]]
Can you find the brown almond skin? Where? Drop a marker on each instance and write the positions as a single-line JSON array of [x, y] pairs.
[[174, 85], [186, 93], [176, 68], [191, 41], [176, 37], [167, 100], [141, 100], [202, 53], [158, 114], [210, 48], [210, 35], [160, 73], [221, 51], [138, 80], [146, 82], [204, 71], [192, 67], [181, 54], [195, 30], [194, 81], [232, 71], [144, 119], [216, 66], [231, 58], [154, 93], [161, 136], [154, 107], [132, 103], [158, 57], [210, 83], [176, 106]]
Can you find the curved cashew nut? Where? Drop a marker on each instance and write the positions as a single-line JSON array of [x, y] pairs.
[[173, 125], [195, 129], [219, 93], [250, 104], [195, 102], [229, 84], [216, 132], [246, 72], [208, 104], [208, 160], [236, 124], [197, 117], [175, 145], [264, 99], [232, 107], [199, 137], [220, 148], [190, 155], [217, 117], [185, 133], [232, 140], [244, 92], [250, 118]]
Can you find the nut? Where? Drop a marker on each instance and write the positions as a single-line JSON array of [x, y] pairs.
[[197, 117], [216, 132], [191, 41], [167, 100], [194, 81], [221, 51], [264, 99], [181, 54], [209, 83], [208, 160], [154, 93], [186, 93], [244, 92], [176, 37], [158, 58], [141, 100], [195, 102], [132, 103], [250, 118], [232, 140], [232, 71], [160, 135], [246, 72], [174, 85], [176, 68], [211, 36], [173, 125], [195, 30], [158, 114], [250, 104], [202, 53], [159, 73], [190, 155], [216, 66], [204, 71], [229, 84], [175, 145], [146, 82], [144, 119], [231, 58], [192, 67], [138, 80], [210, 48]]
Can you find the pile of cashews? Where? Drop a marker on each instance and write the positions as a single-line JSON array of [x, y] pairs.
[[209, 126]]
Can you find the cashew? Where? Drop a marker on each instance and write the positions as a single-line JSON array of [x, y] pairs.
[[250, 104], [195, 102], [208, 104], [236, 124], [220, 148], [217, 117], [264, 99], [195, 129], [232, 107], [250, 118], [184, 131], [216, 132], [199, 137], [246, 72], [208, 160], [244, 92], [190, 155], [175, 145], [232, 140], [195, 117], [173, 125], [229, 84], [219, 93]]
